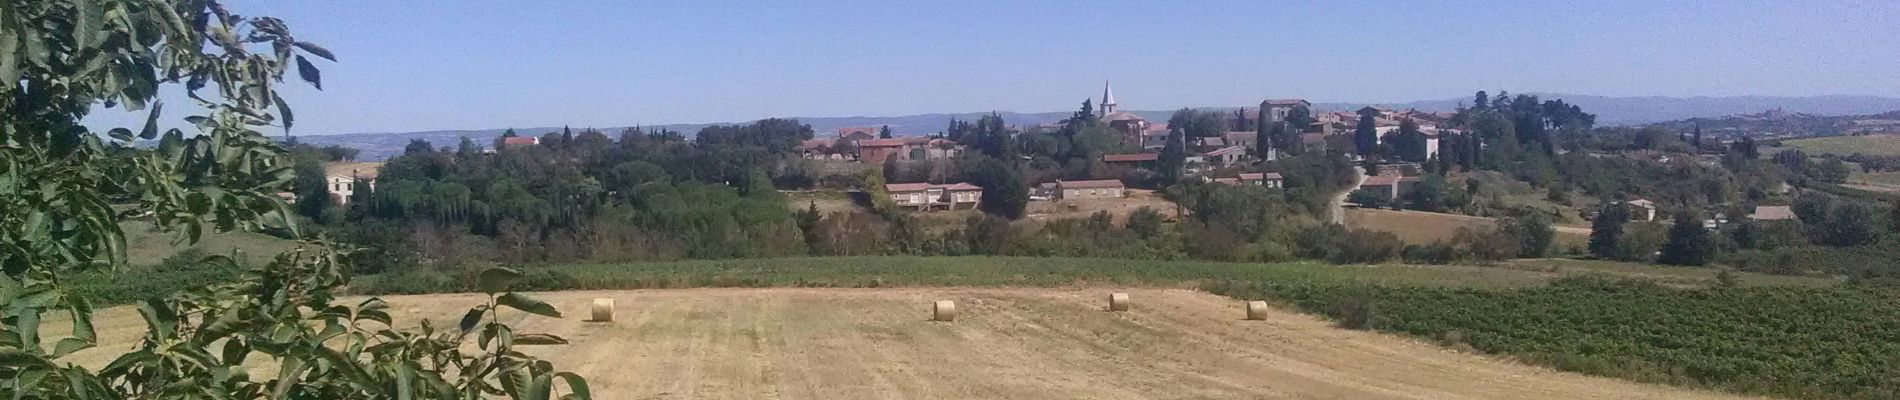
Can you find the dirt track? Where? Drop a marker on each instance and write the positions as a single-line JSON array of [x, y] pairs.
[[1008, 343]]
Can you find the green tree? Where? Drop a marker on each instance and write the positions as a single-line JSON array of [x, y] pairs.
[[1004, 193], [884, 132], [1365, 136], [1263, 136], [1533, 232], [61, 58], [311, 188], [1607, 230], [1145, 222], [1688, 243], [1173, 156], [1850, 223]]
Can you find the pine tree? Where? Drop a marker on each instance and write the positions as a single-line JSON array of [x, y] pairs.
[[1607, 229], [1688, 243], [1482, 101], [884, 132]]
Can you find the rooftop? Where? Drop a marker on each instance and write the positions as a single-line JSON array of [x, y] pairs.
[[1094, 184]]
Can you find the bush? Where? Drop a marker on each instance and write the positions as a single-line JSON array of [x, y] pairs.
[[1435, 253]]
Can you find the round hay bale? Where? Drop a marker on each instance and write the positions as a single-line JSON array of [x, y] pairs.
[[1256, 310], [944, 310], [603, 310], [1118, 302]]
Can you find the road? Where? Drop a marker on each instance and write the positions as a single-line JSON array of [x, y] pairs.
[[1339, 201]]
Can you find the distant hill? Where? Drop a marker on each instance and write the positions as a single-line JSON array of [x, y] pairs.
[[1609, 111]]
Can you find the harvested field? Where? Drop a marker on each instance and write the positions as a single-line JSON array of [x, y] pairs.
[[1007, 343], [1419, 227]]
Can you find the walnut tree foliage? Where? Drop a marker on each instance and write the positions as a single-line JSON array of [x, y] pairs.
[[65, 189]]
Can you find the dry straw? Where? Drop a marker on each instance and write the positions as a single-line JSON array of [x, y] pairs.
[[1256, 310], [603, 310], [1118, 302], [944, 310]]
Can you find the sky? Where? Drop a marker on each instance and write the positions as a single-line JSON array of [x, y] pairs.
[[432, 65]]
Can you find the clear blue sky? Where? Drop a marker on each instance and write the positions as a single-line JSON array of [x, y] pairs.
[[426, 65]]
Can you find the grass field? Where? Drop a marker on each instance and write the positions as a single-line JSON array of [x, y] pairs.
[[1007, 343], [1844, 145], [145, 245], [1417, 227]]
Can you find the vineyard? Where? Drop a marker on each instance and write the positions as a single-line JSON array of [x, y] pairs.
[[1837, 342]]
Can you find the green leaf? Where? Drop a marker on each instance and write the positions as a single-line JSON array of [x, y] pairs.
[[319, 51], [524, 303], [69, 345], [577, 385], [473, 317], [405, 381], [81, 310], [14, 358], [309, 72], [496, 279], [540, 388], [539, 339], [151, 122], [121, 134], [283, 108], [289, 373]]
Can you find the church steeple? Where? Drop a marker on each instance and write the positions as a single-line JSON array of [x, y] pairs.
[[1108, 99]]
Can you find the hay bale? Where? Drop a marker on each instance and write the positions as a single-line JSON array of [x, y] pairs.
[[1256, 310], [603, 310], [1118, 302], [944, 310]]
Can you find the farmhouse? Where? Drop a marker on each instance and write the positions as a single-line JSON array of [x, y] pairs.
[[1229, 155], [1389, 186], [1772, 213], [1096, 189], [1269, 179], [931, 196], [1642, 210], [341, 178]]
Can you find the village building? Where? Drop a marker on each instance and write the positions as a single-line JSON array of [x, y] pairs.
[[1271, 180], [1225, 156], [1389, 186], [342, 179], [1095, 189], [1277, 109], [932, 196], [856, 133], [1135, 160], [518, 141], [1642, 210], [875, 151], [1772, 213]]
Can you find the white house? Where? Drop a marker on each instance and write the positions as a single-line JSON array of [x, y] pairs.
[[341, 179]]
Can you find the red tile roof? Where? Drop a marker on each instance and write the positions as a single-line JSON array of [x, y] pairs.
[[1259, 176], [1137, 157], [520, 141], [1095, 184], [881, 142]]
